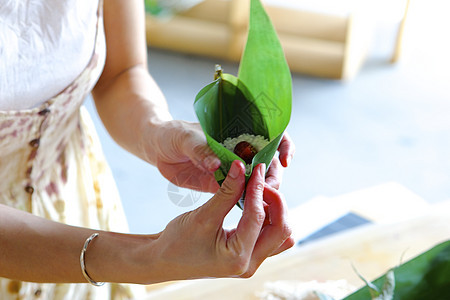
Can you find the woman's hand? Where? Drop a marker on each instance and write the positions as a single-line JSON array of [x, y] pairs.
[[286, 151], [183, 156], [194, 245]]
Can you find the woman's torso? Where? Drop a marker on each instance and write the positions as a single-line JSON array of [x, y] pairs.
[[51, 163], [43, 44]]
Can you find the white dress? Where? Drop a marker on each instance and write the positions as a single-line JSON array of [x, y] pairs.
[[52, 165]]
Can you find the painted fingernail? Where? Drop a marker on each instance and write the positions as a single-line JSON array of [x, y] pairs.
[[234, 170]]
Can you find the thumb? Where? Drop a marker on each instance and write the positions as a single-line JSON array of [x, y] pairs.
[[229, 193]]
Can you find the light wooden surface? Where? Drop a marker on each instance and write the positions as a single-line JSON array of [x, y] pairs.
[[372, 249], [384, 203]]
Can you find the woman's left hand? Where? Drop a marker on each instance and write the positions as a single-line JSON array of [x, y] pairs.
[[184, 157]]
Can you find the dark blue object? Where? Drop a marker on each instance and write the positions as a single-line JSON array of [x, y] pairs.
[[350, 220]]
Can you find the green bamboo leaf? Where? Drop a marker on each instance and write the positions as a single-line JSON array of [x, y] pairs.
[[426, 276], [264, 70], [226, 109], [257, 102]]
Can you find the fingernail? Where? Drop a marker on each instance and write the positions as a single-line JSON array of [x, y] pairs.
[[263, 169], [212, 163], [234, 170]]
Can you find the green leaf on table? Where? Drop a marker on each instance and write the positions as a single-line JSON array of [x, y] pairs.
[[387, 292], [426, 276]]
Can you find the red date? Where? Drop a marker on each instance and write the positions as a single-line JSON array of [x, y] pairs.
[[245, 151]]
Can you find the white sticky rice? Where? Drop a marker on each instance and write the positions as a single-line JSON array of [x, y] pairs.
[[298, 290], [257, 141]]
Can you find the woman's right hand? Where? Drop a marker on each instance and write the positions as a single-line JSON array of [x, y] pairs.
[[194, 245]]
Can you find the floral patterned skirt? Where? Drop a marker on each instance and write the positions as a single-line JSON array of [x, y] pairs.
[[52, 165]]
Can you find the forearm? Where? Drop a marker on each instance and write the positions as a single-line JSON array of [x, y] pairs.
[[193, 245], [38, 250], [132, 107]]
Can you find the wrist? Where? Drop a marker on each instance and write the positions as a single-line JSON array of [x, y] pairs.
[[154, 130], [120, 258]]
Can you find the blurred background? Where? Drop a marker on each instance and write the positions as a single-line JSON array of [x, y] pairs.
[[371, 98]]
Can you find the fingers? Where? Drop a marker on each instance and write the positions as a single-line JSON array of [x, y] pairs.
[[276, 236], [187, 176], [203, 157], [288, 243], [286, 149], [185, 158], [198, 151], [228, 194], [274, 174], [262, 230], [253, 216]]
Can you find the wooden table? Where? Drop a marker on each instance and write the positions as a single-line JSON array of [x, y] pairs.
[[372, 249]]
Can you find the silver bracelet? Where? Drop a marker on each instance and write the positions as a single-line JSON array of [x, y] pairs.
[[83, 263]]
